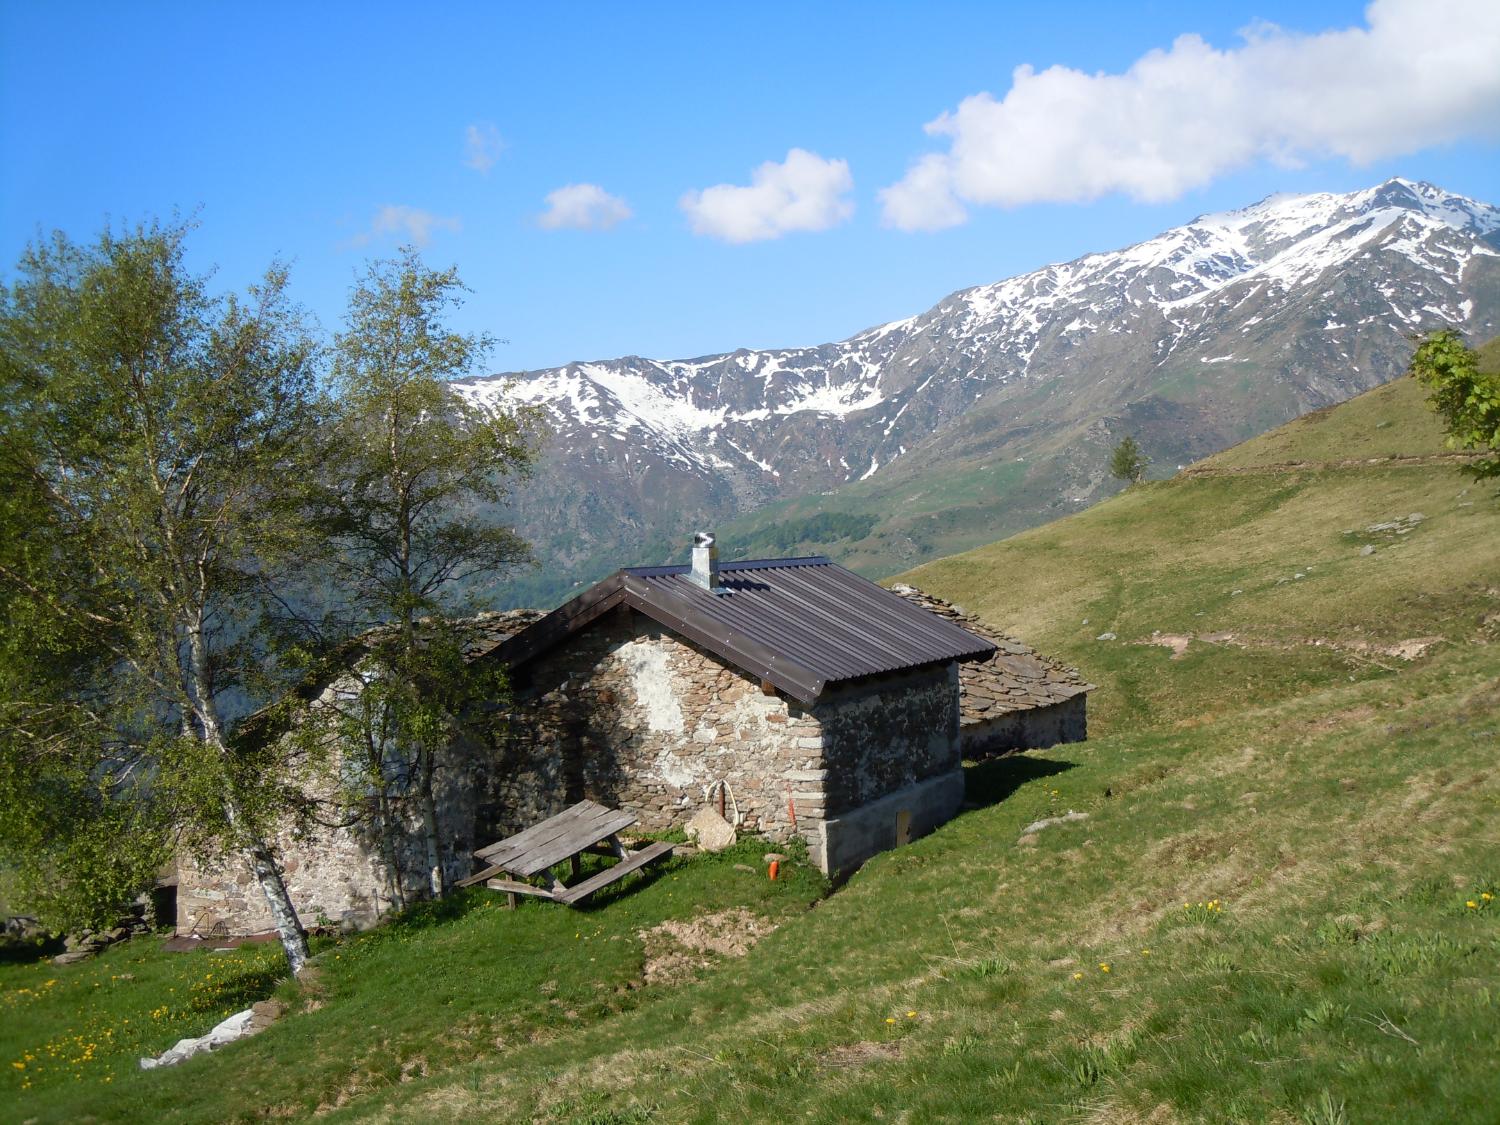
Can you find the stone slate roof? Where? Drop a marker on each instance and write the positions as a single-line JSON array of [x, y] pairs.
[[799, 624], [487, 631], [482, 634], [1015, 678]]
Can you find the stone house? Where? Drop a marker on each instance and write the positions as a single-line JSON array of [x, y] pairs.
[[809, 701], [337, 873], [820, 704], [1014, 699]]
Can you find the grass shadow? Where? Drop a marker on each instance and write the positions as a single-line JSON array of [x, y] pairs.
[[990, 781], [437, 912], [24, 951]]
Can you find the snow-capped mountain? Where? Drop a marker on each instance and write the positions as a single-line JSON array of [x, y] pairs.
[[1194, 339]]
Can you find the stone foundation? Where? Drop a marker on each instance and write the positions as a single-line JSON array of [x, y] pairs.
[[847, 841]]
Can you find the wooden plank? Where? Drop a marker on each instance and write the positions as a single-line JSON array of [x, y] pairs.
[[506, 851], [540, 830], [578, 816], [613, 874], [561, 623], [555, 851], [480, 876], [555, 839], [510, 886]]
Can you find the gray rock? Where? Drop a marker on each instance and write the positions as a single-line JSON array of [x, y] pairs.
[[1105, 637], [72, 956], [263, 1013], [24, 928], [1367, 550], [711, 830], [1036, 826], [235, 1027]]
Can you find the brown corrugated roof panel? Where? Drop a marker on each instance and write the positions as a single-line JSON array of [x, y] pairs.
[[801, 624]]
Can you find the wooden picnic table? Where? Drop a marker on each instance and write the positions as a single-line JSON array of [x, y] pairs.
[[583, 827]]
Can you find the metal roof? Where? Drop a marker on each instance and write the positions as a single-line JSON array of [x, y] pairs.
[[801, 624]]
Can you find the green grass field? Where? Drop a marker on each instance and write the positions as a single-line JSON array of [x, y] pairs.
[[1280, 906]]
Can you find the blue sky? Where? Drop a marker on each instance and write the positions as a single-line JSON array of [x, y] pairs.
[[328, 133]]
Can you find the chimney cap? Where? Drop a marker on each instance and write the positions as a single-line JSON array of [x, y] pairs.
[[703, 539]]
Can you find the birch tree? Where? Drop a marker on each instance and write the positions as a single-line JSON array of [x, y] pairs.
[[152, 428], [411, 475]]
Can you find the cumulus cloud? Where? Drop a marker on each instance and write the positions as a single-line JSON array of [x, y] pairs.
[[482, 146], [583, 207], [408, 224], [804, 192], [1419, 73]]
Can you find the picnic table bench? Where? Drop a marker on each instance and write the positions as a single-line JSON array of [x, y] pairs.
[[586, 826]]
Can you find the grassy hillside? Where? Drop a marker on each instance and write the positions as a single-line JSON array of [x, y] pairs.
[[1280, 906], [909, 513], [1259, 556]]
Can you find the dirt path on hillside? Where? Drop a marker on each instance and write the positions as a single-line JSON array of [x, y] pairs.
[[1398, 461]]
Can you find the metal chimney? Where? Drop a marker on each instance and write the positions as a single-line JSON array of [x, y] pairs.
[[705, 570]]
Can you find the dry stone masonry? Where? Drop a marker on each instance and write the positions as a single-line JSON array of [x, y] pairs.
[[1017, 699], [612, 701]]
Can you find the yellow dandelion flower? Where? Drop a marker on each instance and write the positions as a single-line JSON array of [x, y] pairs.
[[19, 1065], [1104, 966], [1472, 905], [1486, 896], [1077, 976], [890, 1019]]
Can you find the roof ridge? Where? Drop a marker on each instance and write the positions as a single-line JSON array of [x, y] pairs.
[[666, 570]]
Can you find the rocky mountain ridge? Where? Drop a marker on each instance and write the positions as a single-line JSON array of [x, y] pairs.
[[1194, 339]]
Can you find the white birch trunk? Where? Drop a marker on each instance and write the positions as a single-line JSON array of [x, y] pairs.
[[436, 881], [262, 860]]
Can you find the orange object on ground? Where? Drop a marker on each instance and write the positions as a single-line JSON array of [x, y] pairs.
[[775, 867]]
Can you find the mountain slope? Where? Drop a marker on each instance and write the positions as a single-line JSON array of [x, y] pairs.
[[1009, 393], [1335, 801]]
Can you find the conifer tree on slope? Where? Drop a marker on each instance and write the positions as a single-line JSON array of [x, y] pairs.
[[1128, 461], [149, 428]]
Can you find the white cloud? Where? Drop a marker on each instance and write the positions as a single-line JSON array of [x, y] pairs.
[[804, 192], [409, 225], [583, 207], [482, 146], [1420, 73]]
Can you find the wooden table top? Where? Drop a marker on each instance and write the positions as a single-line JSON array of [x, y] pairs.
[[556, 838]]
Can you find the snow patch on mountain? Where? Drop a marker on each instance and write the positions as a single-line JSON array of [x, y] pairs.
[[1178, 287]]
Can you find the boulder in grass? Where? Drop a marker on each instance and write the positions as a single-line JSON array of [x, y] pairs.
[[711, 830], [235, 1027]]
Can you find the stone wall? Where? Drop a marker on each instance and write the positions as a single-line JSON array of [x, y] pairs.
[[1033, 729], [886, 733], [629, 714], [338, 875], [892, 769]]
